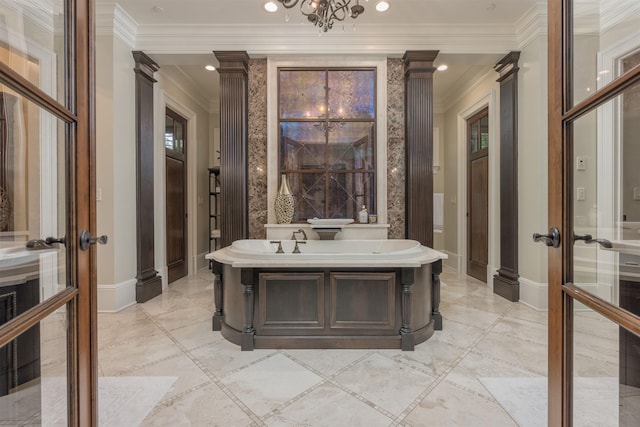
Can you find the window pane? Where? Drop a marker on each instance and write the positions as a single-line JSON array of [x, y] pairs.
[[352, 94], [474, 145], [302, 94], [484, 132], [179, 137], [302, 145], [33, 369], [351, 146], [168, 133], [348, 192], [32, 42], [309, 192], [604, 34]]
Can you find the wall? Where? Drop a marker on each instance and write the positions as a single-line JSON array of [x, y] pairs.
[[115, 173], [532, 172]]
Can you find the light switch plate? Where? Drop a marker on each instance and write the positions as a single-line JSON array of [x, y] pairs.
[[580, 194], [581, 163], [636, 193]]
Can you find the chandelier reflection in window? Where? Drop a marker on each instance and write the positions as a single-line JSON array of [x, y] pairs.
[[328, 126], [322, 13]]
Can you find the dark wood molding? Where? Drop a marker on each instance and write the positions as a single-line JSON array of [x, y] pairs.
[[234, 80], [505, 282], [436, 270], [149, 283], [418, 67]]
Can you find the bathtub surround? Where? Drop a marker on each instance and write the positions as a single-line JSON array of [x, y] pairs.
[[149, 283]]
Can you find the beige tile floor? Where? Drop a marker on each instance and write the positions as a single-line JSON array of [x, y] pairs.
[[437, 384]]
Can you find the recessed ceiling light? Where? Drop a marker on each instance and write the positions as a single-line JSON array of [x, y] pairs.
[[442, 67], [157, 9], [270, 7], [382, 6], [209, 68]]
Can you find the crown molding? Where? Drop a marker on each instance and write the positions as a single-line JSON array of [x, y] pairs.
[[187, 86], [531, 25], [43, 15], [614, 12], [113, 20], [297, 39], [459, 92]]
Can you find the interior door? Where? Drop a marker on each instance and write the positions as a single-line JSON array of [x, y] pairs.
[[478, 195], [47, 276], [176, 190], [594, 201]]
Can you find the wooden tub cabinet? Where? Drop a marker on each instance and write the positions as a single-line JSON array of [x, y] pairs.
[[330, 308]]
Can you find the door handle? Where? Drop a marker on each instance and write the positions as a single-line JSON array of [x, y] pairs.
[[86, 240], [45, 244], [552, 239], [588, 238]]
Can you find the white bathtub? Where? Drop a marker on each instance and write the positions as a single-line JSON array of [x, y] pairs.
[[327, 253]]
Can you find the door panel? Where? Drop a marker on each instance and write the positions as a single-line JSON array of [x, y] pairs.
[[478, 219], [47, 198], [594, 186], [176, 238]]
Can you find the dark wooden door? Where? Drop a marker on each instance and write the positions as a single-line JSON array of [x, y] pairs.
[[594, 254], [478, 195], [48, 291], [176, 189]]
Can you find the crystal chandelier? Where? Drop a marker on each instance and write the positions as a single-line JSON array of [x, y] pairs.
[[322, 13]]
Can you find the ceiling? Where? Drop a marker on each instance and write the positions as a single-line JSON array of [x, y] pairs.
[[250, 14]]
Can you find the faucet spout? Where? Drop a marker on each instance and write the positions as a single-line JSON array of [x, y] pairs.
[[300, 231]]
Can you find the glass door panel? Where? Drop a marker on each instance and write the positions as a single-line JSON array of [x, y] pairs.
[[32, 42], [33, 369], [606, 371], [603, 31], [606, 196]]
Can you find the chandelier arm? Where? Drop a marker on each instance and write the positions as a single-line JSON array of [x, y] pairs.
[[289, 3]]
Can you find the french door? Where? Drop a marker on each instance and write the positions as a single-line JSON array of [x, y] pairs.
[[594, 212], [47, 269]]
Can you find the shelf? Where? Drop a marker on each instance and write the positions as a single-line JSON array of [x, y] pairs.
[[214, 216]]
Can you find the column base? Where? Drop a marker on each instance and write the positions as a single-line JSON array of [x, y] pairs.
[[148, 288], [506, 287]]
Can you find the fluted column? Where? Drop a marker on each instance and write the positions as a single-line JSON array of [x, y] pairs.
[[149, 283], [505, 282], [418, 66], [234, 218]]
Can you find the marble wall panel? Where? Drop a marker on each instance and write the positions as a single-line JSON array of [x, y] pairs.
[[257, 153], [257, 150], [395, 149]]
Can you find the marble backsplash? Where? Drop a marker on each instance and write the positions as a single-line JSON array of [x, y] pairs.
[[257, 152]]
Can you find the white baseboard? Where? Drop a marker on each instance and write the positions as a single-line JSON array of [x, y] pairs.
[[534, 294], [453, 261], [116, 297], [491, 271], [201, 262]]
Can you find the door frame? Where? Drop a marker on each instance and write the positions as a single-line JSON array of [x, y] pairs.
[[487, 100], [166, 100]]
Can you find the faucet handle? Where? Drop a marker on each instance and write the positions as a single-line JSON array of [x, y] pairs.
[[296, 249], [279, 242]]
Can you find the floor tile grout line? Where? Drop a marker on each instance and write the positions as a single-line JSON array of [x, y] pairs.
[[450, 368], [214, 378]]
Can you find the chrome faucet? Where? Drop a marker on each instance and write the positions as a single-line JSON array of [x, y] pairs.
[[300, 230]]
